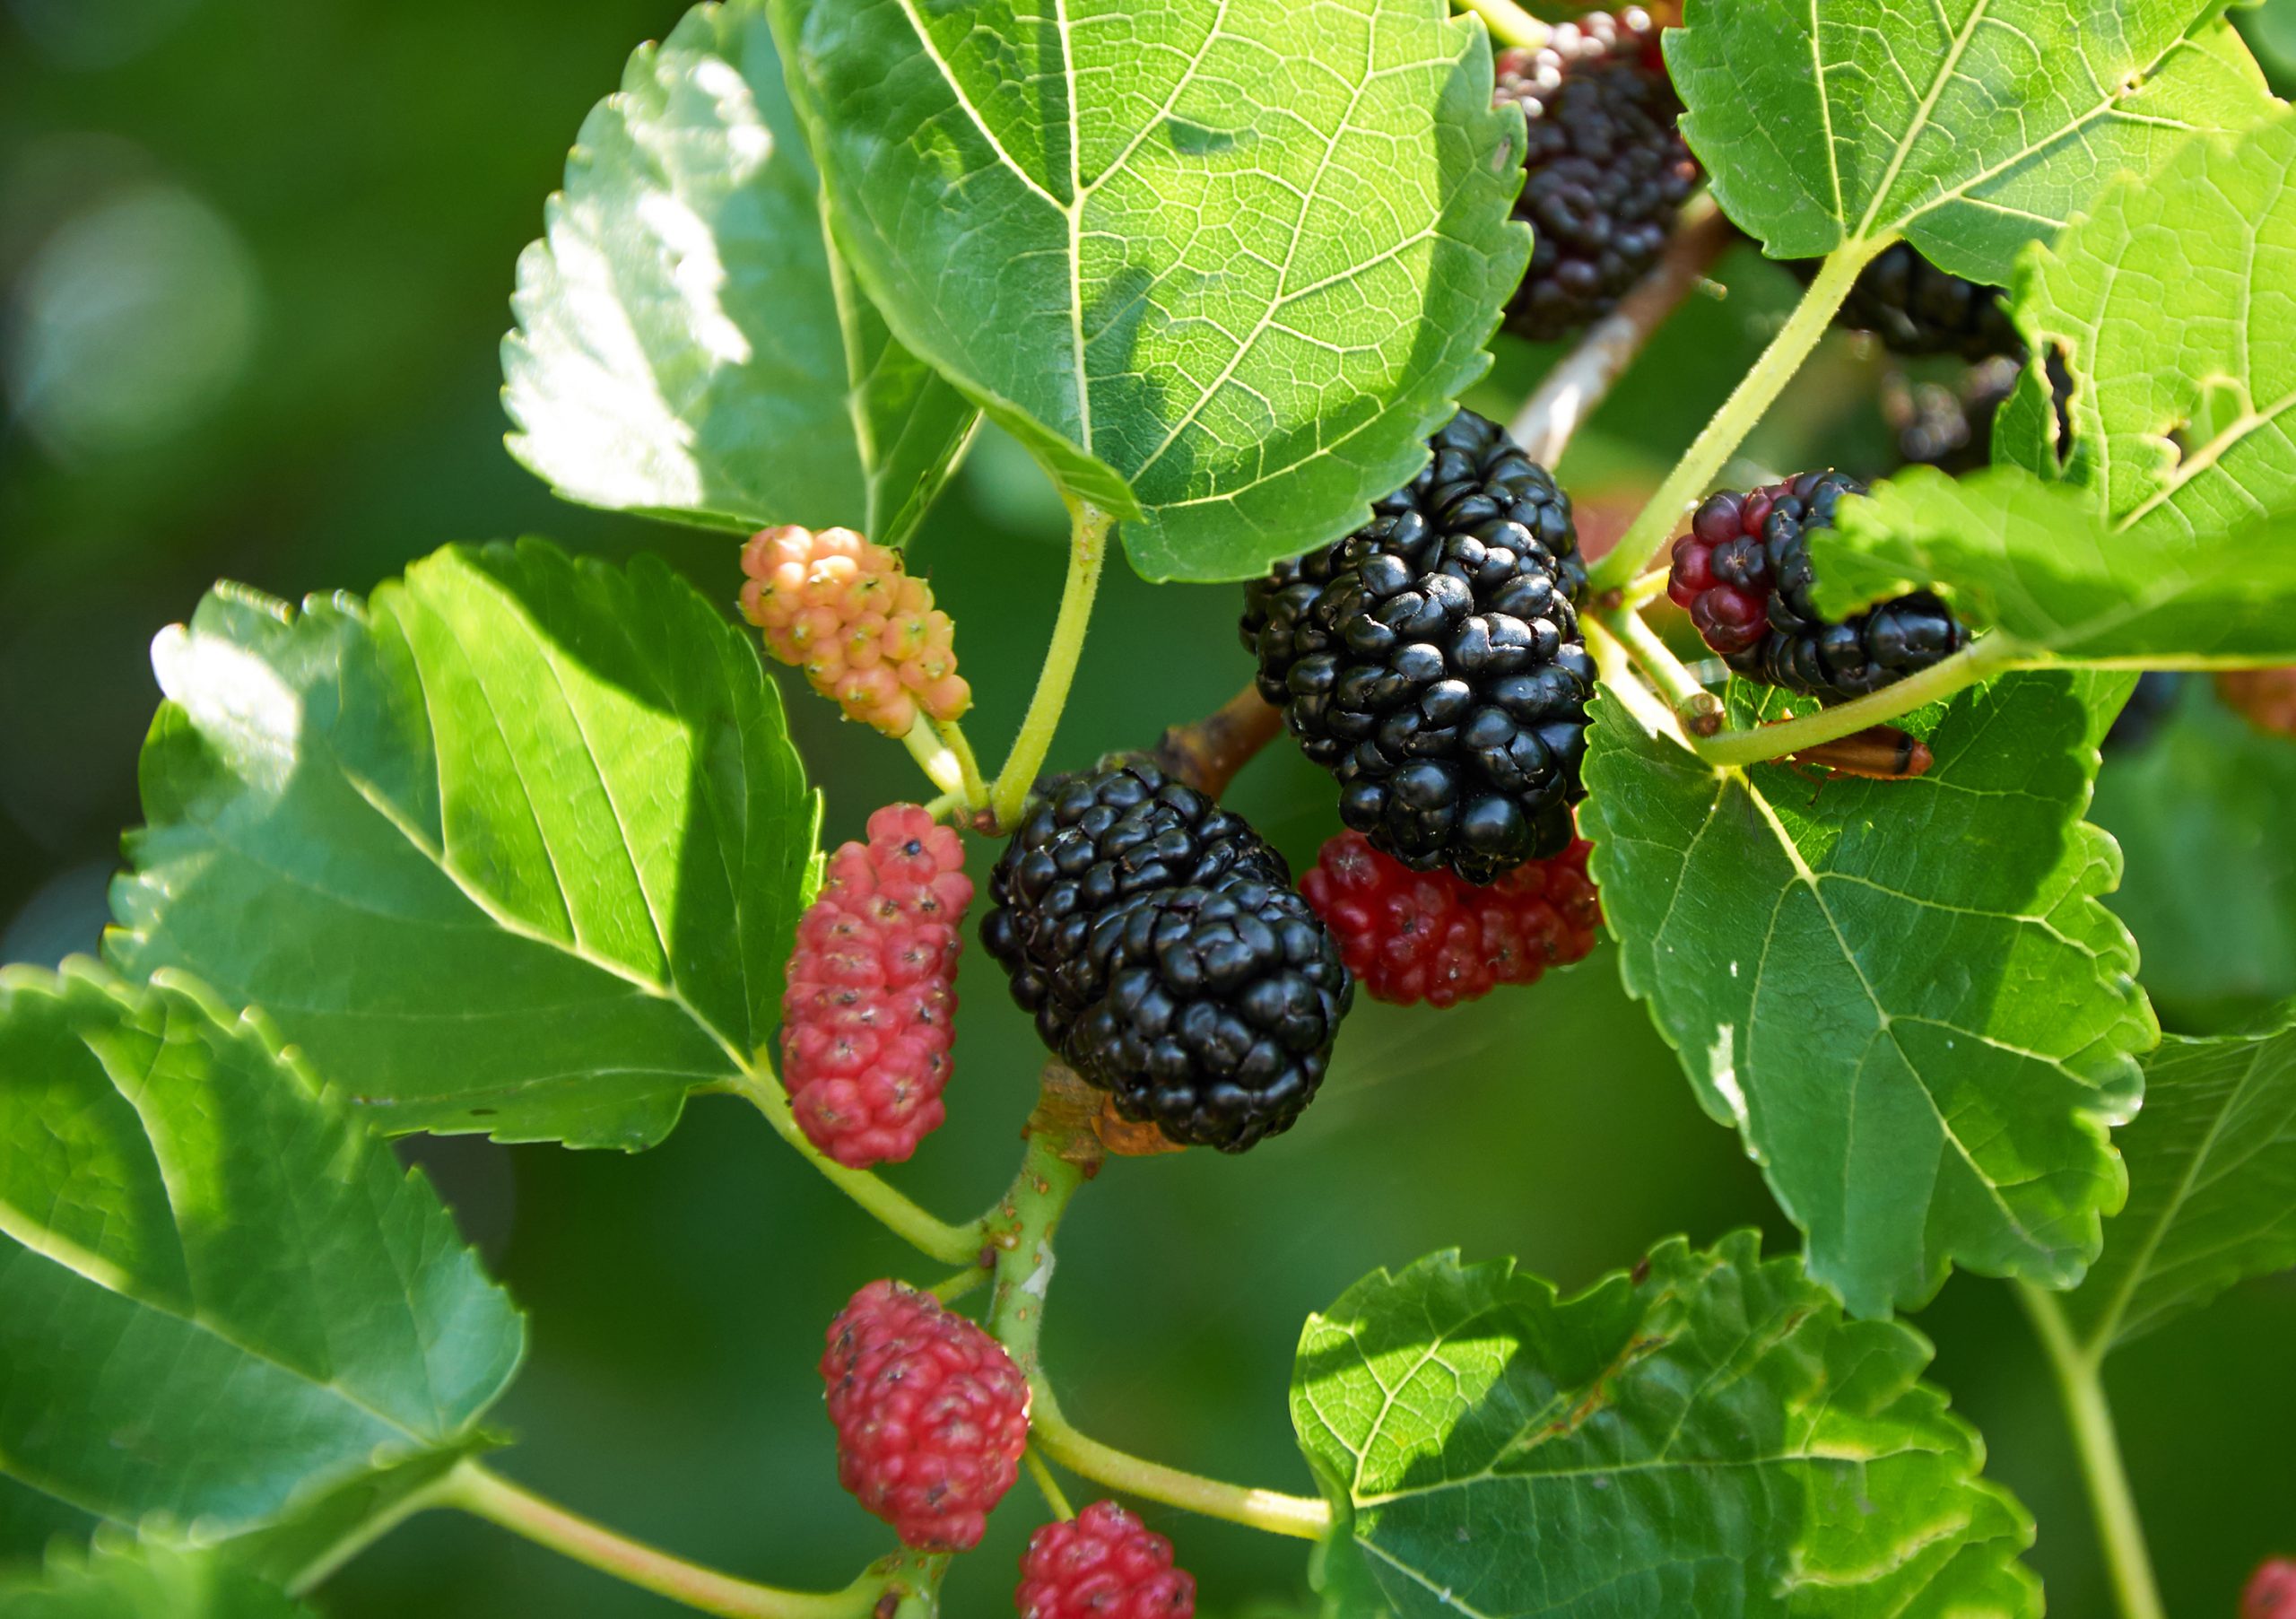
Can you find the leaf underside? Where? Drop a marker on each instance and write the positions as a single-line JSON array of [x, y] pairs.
[[224, 1296], [1904, 995], [688, 345], [518, 847], [1709, 1436], [1222, 265]]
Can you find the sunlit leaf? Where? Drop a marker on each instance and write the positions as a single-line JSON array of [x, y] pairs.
[[687, 345], [518, 847], [1969, 126], [1707, 1436], [1905, 994], [1222, 265], [224, 1296], [122, 1580]]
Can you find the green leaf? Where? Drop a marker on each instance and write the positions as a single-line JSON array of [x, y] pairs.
[[2201, 815], [687, 345], [225, 1297], [2036, 562], [2167, 308], [1904, 995], [1707, 1436], [1970, 127], [2212, 1184], [517, 848], [122, 1580], [1221, 268]]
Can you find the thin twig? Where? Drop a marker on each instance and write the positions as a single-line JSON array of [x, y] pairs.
[[1510, 23], [1206, 753], [1579, 381]]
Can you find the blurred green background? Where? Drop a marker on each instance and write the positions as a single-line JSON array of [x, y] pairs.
[[255, 259]]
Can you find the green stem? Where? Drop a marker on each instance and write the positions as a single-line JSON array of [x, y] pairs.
[[489, 1495], [1691, 700], [1088, 546], [1300, 1517], [1620, 684], [949, 1244], [1714, 446], [1510, 23], [1047, 1485], [370, 1529], [1983, 658], [2080, 1383], [969, 783], [1026, 1220], [933, 756]]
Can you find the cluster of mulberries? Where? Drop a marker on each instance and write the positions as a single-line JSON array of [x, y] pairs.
[[1104, 1564], [866, 635], [1743, 574], [869, 1013], [1605, 170], [1432, 660], [1158, 941], [1410, 936], [931, 1414], [1916, 308]]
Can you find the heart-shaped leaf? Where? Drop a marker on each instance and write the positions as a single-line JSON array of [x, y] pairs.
[[1970, 127], [2212, 1184], [2038, 563], [1905, 994], [1221, 265], [2169, 310], [688, 344], [224, 1297], [517, 846], [1707, 1436]]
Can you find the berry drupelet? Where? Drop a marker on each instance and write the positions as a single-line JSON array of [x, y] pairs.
[[1743, 574], [931, 1414], [870, 1011], [1104, 1564], [1432, 660], [1409, 937], [1604, 171], [1158, 941], [846, 611]]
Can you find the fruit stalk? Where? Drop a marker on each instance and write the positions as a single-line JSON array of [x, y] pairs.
[[1695, 473], [1510, 23], [1088, 546], [1983, 658]]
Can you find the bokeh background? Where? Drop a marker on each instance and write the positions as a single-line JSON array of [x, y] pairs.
[[255, 259]]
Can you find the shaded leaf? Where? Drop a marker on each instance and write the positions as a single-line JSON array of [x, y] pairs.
[[1905, 994], [1221, 269], [1970, 127], [2212, 1184], [2170, 310], [2201, 815], [687, 345], [516, 848], [2036, 562], [224, 1296], [1708, 1436], [117, 1579]]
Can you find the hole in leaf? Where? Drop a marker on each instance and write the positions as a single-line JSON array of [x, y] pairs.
[[2223, 404], [2056, 365]]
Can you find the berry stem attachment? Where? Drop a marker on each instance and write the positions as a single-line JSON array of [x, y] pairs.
[[951, 1244], [1621, 684], [483, 1494], [1088, 544], [973, 789], [1047, 1484], [2080, 1383], [1581, 380], [933, 756], [1510, 23], [1695, 473], [1981, 659], [1207, 753]]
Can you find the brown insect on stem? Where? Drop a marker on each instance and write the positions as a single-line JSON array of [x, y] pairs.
[[1877, 754]]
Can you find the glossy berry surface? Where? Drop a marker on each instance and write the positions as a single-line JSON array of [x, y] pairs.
[[1743, 574], [1103, 1563], [2271, 1591], [869, 1013], [1604, 170], [931, 1414], [1432, 660], [1411, 937], [1158, 941], [866, 635]]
